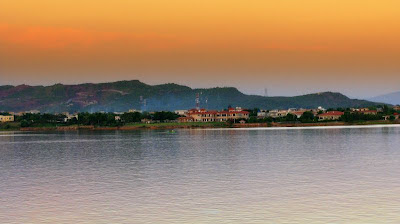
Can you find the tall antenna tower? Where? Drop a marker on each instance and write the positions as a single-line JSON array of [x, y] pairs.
[[143, 103], [197, 101], [266, 92]]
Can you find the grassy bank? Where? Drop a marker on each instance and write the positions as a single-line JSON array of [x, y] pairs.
[[15, 126], [10, 126]]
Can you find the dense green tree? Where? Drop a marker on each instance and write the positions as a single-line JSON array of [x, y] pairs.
[[253, 120], [307, 117], [253, 112], [387, 110], [351, 117], [131, 117], [290, 117], [164, 115]]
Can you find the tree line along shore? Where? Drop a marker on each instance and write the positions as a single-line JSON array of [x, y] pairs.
[[171, 120]]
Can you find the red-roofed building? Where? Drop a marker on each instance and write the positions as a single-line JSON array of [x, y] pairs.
[[364, 111], [298, 114], [219, 116], [185, 119], [330, 116], [395, 115]]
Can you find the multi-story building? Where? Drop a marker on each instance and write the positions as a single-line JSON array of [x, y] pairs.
[[277, 113], [185, 119], [364, 111], [6, 118], [203, 115], [262, 113]]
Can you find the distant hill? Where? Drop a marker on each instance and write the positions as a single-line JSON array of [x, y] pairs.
[[125, 95], [391, 98]]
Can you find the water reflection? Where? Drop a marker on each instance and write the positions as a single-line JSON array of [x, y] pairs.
[[201, 176]]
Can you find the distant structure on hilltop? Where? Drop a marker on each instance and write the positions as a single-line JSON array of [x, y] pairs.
[[143, 103], [266, 92], [197, 101]]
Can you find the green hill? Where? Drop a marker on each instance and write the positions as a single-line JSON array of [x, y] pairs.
[[125, 95]]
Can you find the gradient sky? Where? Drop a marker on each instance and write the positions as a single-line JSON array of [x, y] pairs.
[[290, 46]]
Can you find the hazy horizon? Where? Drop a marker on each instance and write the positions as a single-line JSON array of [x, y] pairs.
[[289, 47]]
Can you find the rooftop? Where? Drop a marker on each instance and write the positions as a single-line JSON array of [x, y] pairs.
[[332, 113]]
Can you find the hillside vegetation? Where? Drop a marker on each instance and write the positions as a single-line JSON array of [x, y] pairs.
[[125, 95]]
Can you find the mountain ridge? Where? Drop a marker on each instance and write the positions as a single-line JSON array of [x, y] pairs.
[[125, 95], [390, 98]]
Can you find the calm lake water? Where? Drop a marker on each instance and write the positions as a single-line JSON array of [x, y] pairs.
[[334, 175]]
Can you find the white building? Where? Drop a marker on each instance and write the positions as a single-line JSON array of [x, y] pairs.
[[181, 112], [262, 113], [70, 116], [278, 113]]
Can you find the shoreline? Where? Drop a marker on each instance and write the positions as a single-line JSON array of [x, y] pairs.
[[160, 126]]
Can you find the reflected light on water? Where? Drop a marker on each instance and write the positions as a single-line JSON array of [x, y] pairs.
[[317, 175]]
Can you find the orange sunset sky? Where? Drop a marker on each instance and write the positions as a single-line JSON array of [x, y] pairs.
[[288, 46]]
